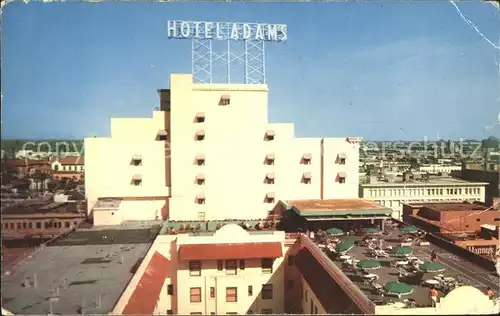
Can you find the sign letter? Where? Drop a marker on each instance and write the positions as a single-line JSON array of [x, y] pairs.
[[171, 31], [234, 32], [247, 31], [272, 32], [209, 26], [185, 30], [259, 34]]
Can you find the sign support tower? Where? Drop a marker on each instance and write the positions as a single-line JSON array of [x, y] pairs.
[[206, 54]]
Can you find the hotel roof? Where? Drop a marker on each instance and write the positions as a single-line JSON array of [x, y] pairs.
[[433, 181], [336, 207], [226, 251], [88, 268]]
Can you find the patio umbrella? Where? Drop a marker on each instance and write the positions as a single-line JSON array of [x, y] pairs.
[[368, 264], [429, 266], [370, 230], [344, 246], [397, 288], [402, 250], [408, 229], [335, 231]]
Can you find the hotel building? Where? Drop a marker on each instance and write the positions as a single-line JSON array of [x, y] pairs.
[[209, 152]]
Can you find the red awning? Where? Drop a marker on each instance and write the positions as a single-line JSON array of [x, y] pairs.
[[230, 251]]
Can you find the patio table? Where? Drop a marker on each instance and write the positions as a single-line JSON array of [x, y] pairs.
[[432, 282], [344, 257], [399, 305]]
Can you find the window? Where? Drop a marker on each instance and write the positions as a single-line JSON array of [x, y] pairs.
[[267, 291], [290, 284], [200, 162], [212, 292], [250, 290], [267, 265], [291, 260], [170, 289], [231, 294], [201, 216], [25, 225], [195, 294], [200, 135], [200, 117], [11, 225], [200, 181], [137, 162], [242, 264], [66, 224], [30, 225], [18, 225], [170, 312], [220, 265], [162, 135], [269, 135], [194, 268], [267, 311], [231, 266], [225, 100]]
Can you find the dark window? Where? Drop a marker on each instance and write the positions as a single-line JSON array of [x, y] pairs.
[[30, 225], [25, 225], [231, 266], [67, 224], [242, 264], [291, 260], [19, 225], [224, 101], [212, 292], [170, 312], [220, 265], [194, 268], [38, 225], [267, 311], [231, 294], [195, 294], [267, 291], [170, 289], [250, 290], [267, 265], [478, 219], [11, 225]]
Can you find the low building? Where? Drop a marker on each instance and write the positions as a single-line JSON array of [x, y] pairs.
[[393, 193], [439, 168], [84, 272], [492, 178], [230, 271], [345, 214], [449, 217], [40, 219], [74, 164]]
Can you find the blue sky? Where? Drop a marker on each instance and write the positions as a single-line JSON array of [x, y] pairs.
[[384, 71]]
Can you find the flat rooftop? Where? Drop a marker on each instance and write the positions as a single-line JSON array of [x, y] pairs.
[[456, 267], [447, 207], [433, 181], [88, 268], [335, 207]]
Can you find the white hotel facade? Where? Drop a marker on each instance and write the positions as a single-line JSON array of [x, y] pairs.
[[210, 153]]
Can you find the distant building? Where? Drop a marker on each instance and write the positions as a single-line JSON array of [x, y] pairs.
[[477, 173], [471, 226], [40, 218], [393, 193], [209, 152], [68, 163], [438, 168]]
